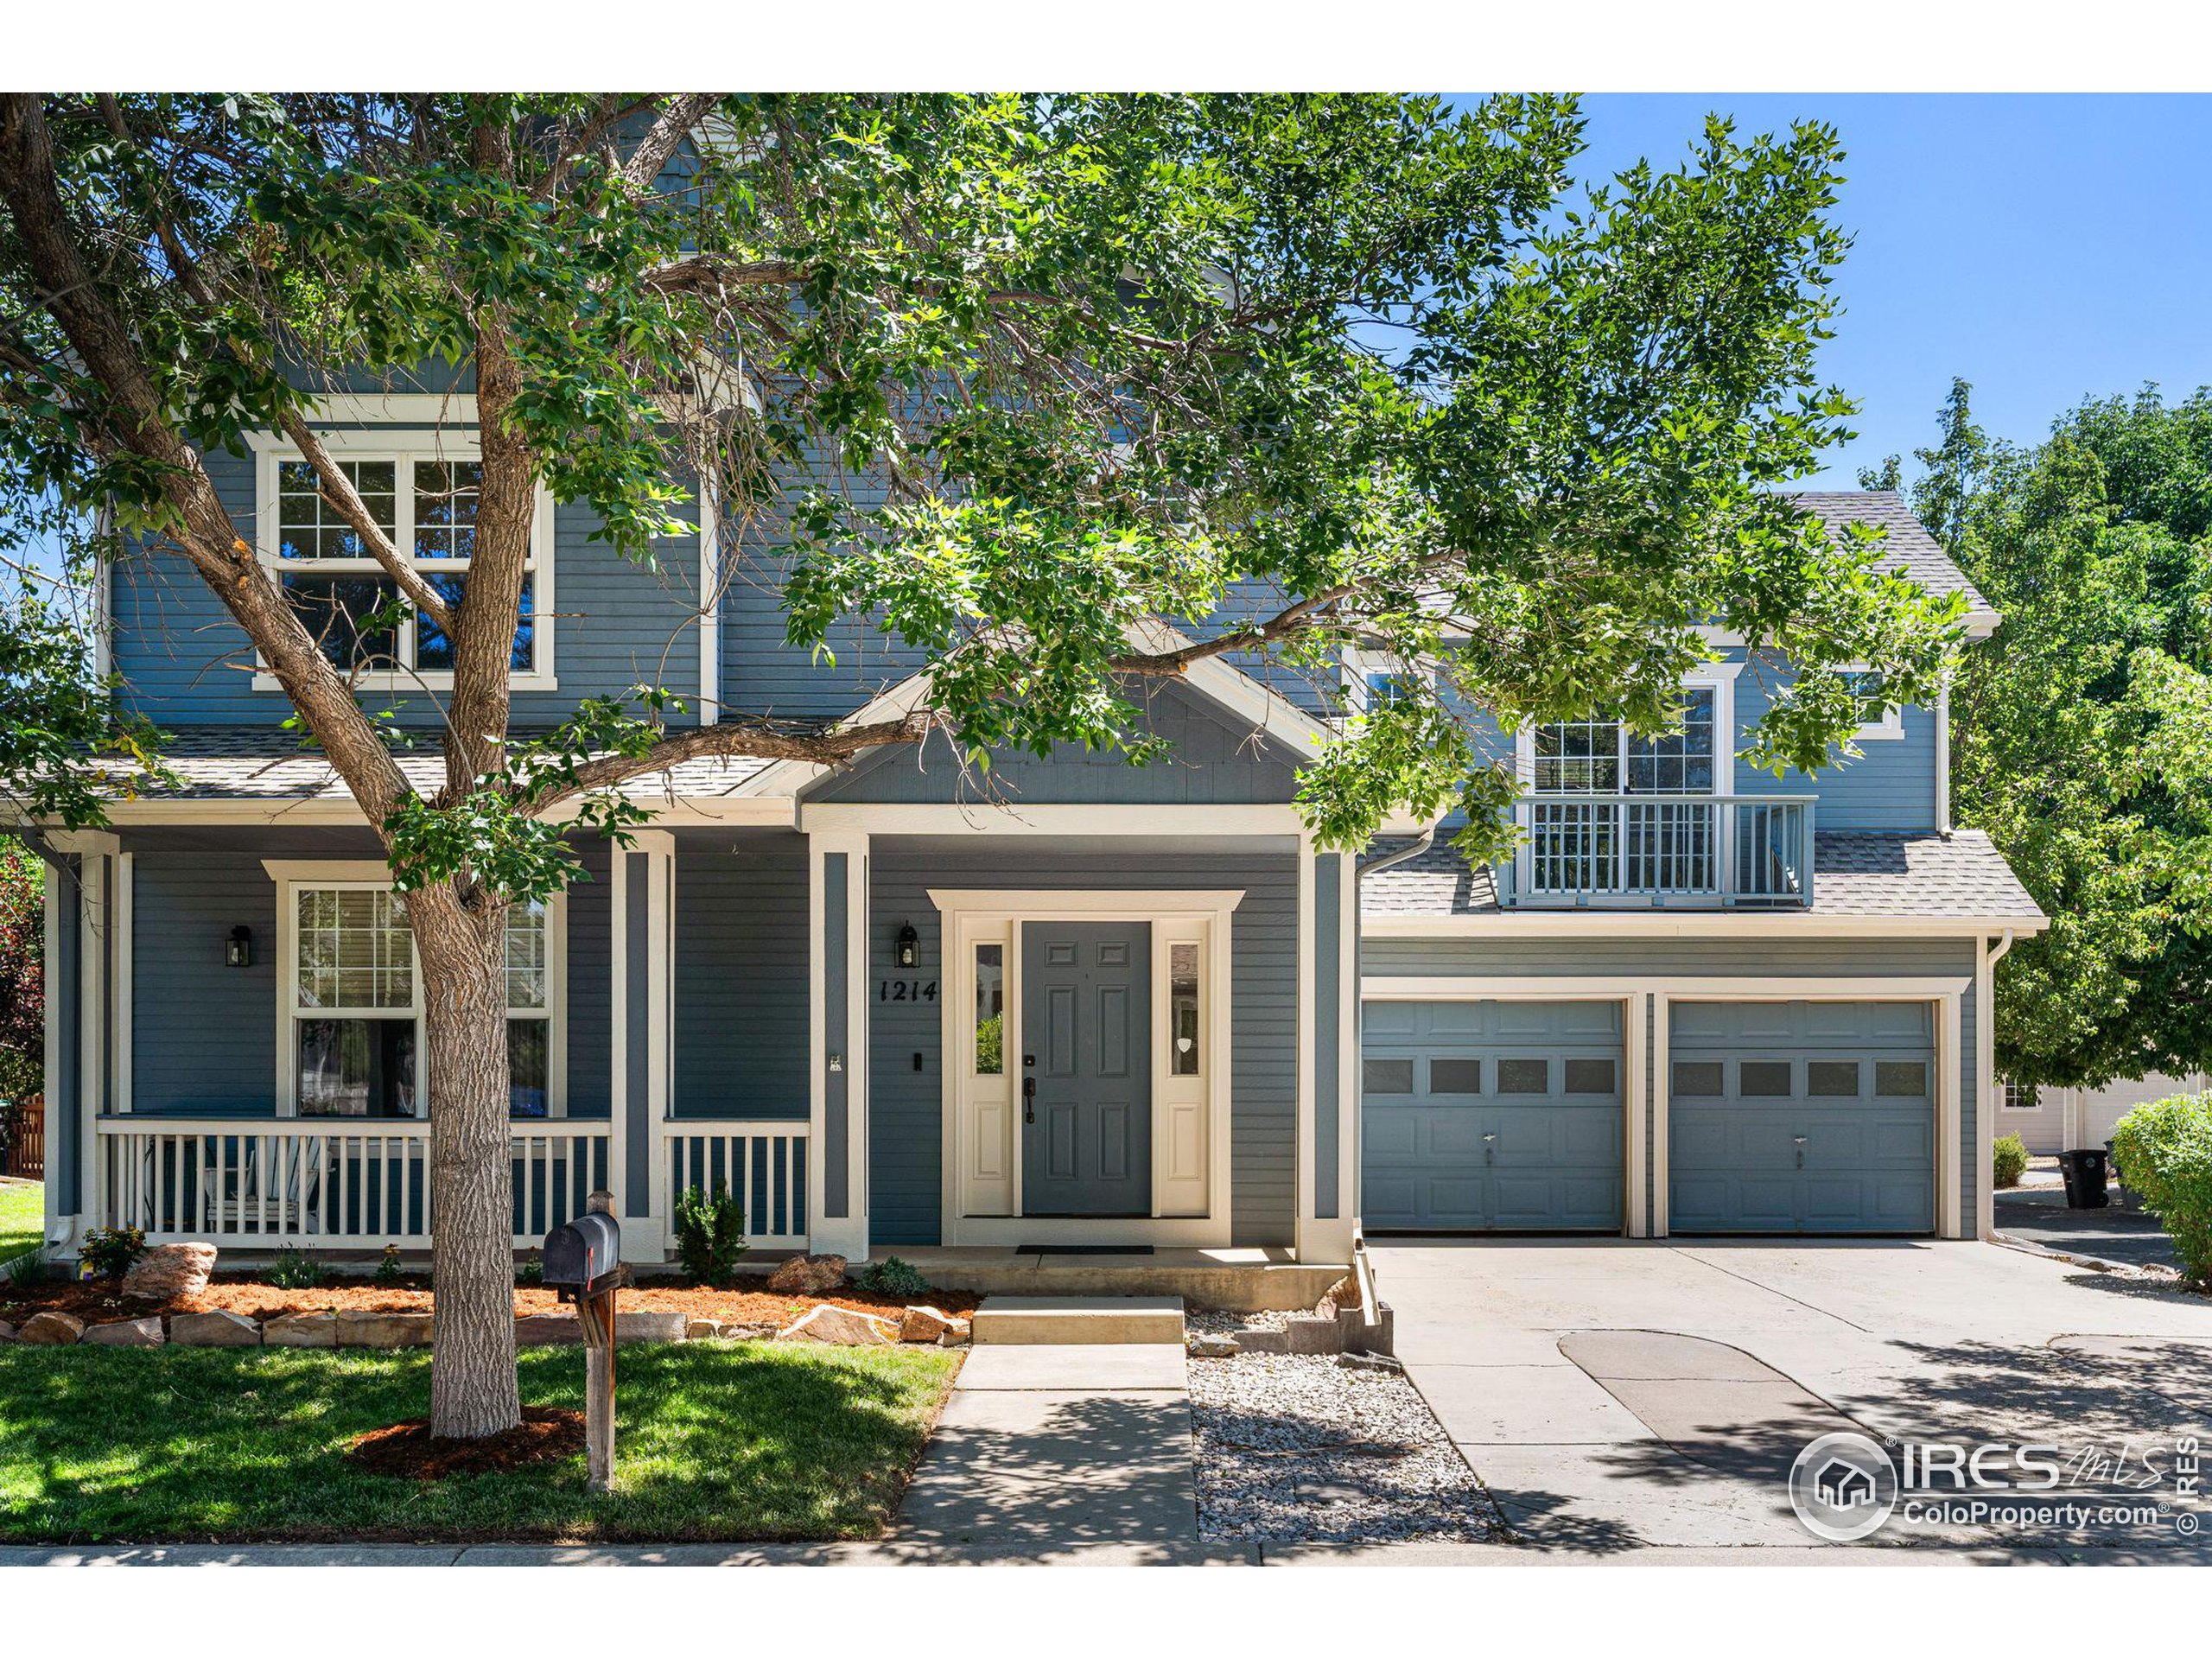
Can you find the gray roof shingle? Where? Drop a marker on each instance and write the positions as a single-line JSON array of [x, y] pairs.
[[251, 763], [1856, 873], [1918, 554]]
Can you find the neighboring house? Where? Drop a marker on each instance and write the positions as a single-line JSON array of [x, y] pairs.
[[1700, 999], [2058, 1119]]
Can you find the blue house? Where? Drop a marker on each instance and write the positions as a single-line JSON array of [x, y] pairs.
[[1093, 1006]]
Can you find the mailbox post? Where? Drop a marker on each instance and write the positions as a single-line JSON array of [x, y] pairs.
[[583, 1264]]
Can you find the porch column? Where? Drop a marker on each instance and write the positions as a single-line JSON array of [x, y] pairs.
[[1328, 1046], [83, 1033], [837, 967], [641, 935]]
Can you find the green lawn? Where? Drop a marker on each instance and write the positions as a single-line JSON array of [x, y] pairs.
[[714, 1441], [22, 1216]]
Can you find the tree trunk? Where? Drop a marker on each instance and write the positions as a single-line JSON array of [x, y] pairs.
[[461, 948]]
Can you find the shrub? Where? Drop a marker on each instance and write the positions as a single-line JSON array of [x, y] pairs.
[[709, 1234], [531, 1270], [110, 1251], [292, 1271], [2164, 1150], [389, 1272], [893, 1277], [2008, 1156], [26, 1269]]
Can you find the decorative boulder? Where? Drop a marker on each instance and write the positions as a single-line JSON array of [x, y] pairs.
[[169, 1271], [358, 1328], [214, 1331], [830, 1323], [7, 1331], [926, 1324], [1211, 1348], [127, 1333], [51, 1328], [646, 1326], [1344, 1293], [302, 1331], [727, 1331], [808, 1275]]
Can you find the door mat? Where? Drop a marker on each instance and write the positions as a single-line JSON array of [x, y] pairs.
[[1083, 1249]]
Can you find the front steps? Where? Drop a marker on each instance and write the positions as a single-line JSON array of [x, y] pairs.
[[1056, 1320]]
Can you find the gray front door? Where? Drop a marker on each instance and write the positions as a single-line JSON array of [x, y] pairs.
[[1086, 1072], [1491, 1117], [1802, 1117]]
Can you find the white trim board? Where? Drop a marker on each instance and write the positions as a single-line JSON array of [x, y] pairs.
[[1685, 924], [980, 1164]]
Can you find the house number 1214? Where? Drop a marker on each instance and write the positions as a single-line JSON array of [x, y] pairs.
[[906, 990]]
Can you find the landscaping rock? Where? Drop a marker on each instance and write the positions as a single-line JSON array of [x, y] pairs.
[[1211, 1348], [302, 1331], [7, 1331], [169, 1271], [548, 1330], [214, 1331], [51, 1328], [926, 1324], [1370, 1362], [702, 1330], [127, 1333], [649, 1327], [830, 1323], [359, 1329], [808, 1275]]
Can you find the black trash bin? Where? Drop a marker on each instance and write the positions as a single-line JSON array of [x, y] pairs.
[[2086, 1175], [2127, 1198]]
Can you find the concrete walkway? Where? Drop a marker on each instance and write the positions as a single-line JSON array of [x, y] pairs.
[[1065, 1445], [1683, 1440]]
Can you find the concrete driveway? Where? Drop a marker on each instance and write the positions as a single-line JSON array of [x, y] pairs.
[[1615, 1394]]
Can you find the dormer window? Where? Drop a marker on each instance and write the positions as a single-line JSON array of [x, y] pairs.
[[423, 494]]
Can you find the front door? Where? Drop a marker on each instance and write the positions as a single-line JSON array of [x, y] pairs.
[[1086, 1071]]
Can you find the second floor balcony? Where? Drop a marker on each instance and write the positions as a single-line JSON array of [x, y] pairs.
[[1690, 851]]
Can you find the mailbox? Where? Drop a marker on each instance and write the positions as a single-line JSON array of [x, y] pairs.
[[584, 1257]]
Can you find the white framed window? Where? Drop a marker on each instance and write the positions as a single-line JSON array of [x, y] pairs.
[[1603, 757], [2018, 1097], [349, 1019], [420, 488], [1879, 719], [1373, 677]]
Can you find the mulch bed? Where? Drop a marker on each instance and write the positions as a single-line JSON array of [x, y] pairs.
[[242, 1294], [410, 1451]]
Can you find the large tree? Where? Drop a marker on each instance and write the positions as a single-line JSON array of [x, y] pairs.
[[2084, 741], [1007, 377]]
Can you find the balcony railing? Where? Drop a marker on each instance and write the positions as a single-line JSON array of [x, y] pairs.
[[1622, 851]]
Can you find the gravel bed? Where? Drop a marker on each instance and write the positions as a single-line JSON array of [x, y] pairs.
[[1210, 1322], [1298, 1447]]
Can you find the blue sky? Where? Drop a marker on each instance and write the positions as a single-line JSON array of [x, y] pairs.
[[2045, 248]]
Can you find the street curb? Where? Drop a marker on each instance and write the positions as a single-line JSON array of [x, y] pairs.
[[2157, 1270]]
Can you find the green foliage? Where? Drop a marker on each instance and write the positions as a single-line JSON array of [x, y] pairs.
[[110, 1251], [531, 1270], [293, 1271], [25, 1269], [2164, 1150], [2084, 741], [389, 1269], [709, 1234], [22, 983], [892, 1276], [2008, 1158]]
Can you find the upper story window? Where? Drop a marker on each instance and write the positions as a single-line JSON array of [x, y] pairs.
[[1878, 718], [423, 494], [1372, 678], [1603, 757]]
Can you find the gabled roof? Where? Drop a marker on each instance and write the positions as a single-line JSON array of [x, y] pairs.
[[1858, 877], [1917, 554]]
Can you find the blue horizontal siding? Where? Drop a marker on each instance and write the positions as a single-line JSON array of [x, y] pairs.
[[740, 976]]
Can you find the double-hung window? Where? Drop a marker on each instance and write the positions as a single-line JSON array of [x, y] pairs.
[[353, 1041], [423, 494]]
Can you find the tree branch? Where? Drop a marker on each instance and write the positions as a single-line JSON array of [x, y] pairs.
[[338, 490], [760, 739], [661, 140]]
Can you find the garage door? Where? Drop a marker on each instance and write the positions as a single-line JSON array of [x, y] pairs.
[[1491, 1116], [1802, 1117]]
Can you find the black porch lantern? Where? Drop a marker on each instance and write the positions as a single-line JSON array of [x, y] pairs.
[[909, 944], [238, 953]]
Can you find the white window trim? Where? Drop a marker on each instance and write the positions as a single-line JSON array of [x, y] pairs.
[[1719, 678], [368, 875], [1190, 1207], [1359, 663], [1891, 724], [388, 443]]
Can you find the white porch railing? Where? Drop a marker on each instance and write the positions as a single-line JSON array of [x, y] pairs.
[[1691, 850], [302, 1182], [762, 1163]]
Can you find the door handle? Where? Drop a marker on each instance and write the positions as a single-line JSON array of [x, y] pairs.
[[1029, 1100], [1490, 1148], [1800, 1140]]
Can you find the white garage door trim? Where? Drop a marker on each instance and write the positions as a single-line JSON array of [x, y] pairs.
[[1647, 1099]]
